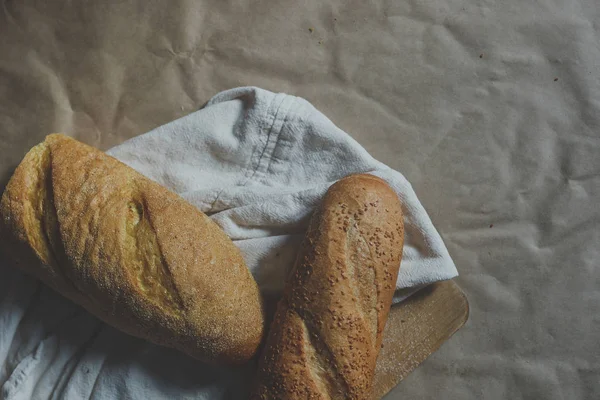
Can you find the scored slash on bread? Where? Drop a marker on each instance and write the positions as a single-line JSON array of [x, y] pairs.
[[130, 251], [327, 331]]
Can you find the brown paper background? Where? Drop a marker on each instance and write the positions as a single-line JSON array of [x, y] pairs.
[[490, 109]]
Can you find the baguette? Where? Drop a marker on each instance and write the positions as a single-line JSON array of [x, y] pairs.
[[327, 330], [131, 252]]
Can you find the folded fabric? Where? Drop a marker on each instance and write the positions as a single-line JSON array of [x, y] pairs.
[[258, 163]]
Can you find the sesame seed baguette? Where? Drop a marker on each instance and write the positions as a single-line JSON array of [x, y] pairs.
[[327, 331], [131, 252]]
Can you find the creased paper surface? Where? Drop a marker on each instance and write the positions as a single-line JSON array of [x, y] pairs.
[[490, 109]]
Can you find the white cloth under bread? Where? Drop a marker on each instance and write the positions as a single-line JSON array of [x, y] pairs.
[[257, 163]]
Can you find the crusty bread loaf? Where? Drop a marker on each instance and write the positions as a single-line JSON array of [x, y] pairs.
[[326, 334], [130, 251]]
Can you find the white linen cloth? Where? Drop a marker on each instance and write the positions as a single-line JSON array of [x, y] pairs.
[[258, 163]]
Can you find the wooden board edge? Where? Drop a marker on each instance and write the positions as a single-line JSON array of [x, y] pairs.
[[416, 328]]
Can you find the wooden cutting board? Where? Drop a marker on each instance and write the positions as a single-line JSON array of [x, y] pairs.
[[415, 329]]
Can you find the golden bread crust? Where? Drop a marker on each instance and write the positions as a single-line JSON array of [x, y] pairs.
[[130, 251], [327, 331]]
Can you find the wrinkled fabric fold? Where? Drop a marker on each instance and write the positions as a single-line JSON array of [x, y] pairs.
[[258, 163]]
